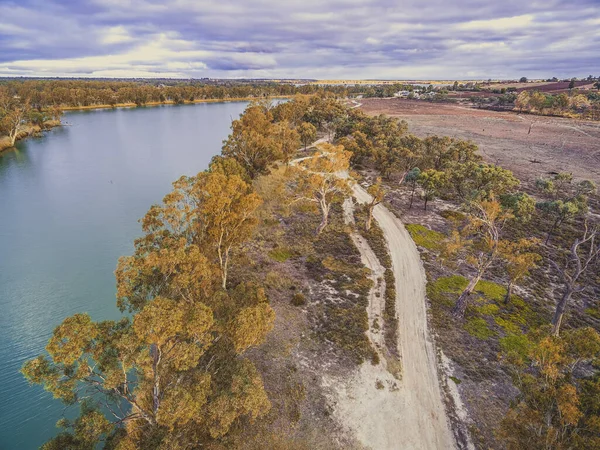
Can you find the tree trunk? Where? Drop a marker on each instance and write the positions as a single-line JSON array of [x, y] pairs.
[[369, 218], [508, 293], [461, 304], [552, 229], [560, 311], [425, 207], [324, 219], [225, 267], [412, 196]]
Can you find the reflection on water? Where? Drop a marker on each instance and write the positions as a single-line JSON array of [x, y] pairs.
[[69, 205]]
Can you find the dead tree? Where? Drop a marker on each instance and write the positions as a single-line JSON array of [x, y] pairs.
[[576, 263]]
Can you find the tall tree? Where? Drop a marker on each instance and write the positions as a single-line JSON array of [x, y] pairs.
[[567, 199], [14, 115], [322, 179], [412, 179], [207, 216], [483, 235], [555, 408], [582, 256], [173, 374], [431, 181], [377, 194], [308, 133], [252, 141], [519, 260], [287, 140]]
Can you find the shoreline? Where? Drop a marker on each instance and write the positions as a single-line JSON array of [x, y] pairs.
[[30, 130], [168, 102], [33, 130]]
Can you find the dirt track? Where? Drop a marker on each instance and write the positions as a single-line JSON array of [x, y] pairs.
[[530, 146], [407, 414]]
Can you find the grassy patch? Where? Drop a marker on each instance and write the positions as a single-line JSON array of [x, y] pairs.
[[517, 344], [491, 290], [444, 290], [424, 237], [281, 254], [453, 216], [478, 328]]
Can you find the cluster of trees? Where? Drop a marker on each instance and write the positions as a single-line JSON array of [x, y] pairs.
[[18, 114], [556, 407], [80, 93], [172, 373], [542, 103]]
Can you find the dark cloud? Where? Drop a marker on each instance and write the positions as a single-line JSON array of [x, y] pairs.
[[300, 38]]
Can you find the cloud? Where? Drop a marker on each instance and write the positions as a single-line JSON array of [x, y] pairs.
[[299, 38]]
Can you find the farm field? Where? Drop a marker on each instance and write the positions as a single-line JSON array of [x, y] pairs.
[[528, 145]]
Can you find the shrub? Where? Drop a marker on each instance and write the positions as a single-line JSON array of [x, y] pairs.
[[281, 254], [298, 299]]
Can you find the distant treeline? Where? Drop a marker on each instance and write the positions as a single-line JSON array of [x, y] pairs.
[[84, 93]]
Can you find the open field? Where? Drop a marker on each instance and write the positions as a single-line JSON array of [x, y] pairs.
[[528, 145]]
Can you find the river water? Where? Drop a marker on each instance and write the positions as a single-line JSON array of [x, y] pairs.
[[69, 206]]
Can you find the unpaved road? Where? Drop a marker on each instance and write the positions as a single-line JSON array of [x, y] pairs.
[[382, 412]]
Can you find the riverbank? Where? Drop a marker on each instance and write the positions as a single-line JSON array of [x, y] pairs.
[[168, 102], [30, 130], [34, 129]]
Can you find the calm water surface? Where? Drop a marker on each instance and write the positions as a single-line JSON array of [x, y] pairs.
[[69, 205]]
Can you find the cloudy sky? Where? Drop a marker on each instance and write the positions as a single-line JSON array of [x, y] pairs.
[[384, 39]]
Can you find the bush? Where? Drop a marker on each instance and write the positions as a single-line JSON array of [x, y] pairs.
[[281, 254], [298, 299]]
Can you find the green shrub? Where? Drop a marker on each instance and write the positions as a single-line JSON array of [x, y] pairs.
[[424, 237], [456, 380], [298, 299], [281, 254]]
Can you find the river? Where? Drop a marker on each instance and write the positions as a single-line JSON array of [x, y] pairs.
[[69, 205]]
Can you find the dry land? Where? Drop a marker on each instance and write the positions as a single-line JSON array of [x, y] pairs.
[[530, 146]]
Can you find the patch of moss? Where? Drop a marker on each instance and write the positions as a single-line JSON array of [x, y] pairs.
[[594, 312], [491, 290], [281, 254], [517, 344], [453, 216], [438, 290], [478, 328], [456, 380], [510, 326], [424, 237], [489, 309]]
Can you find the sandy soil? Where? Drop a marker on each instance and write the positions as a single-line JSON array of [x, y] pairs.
[[531, 146], [385, 413]]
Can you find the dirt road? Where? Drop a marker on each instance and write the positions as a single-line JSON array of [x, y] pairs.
[[385, 413]]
